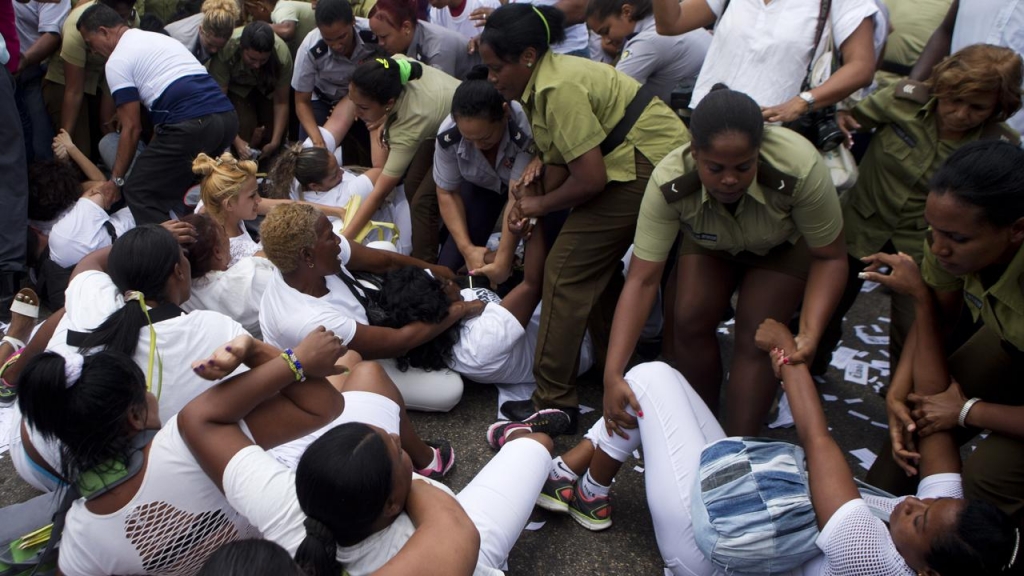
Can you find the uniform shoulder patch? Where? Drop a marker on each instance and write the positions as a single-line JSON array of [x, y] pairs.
[[681, 187], [319, 50], [367, 36], [517, 136], [1001, 131], [771, 178], [449, 138], [912, 90]]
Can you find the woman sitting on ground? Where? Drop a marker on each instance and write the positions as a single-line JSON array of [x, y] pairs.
[[100, 410], [315, 287], [936, 532], [233, 291]]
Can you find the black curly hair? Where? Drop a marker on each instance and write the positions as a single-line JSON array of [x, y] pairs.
[[408, 295], [53, 187]]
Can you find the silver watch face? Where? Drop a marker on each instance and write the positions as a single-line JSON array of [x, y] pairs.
[[119, 182]]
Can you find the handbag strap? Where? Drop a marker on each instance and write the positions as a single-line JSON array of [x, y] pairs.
[[823, 12]]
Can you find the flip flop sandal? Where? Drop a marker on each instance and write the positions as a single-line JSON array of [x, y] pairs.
[[26, 303]]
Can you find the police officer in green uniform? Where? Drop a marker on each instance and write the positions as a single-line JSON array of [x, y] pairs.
[[610, 132], [758, 213], [917, 126], [973, 258], [324, 64], [254, 69]]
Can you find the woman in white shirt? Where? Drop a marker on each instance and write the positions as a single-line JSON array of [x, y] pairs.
[[763, 49], [234, 290], [934, 532], [148, 508], [315, 287]]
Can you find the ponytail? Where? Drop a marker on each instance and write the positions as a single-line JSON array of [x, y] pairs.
[[382, 79], [307, 165], [317, 553], [89, 414]]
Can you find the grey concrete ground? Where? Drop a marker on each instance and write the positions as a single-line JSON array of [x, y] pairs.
[[562, 547]]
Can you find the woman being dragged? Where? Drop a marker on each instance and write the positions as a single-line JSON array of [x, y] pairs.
[[146, 505], [934, 532]]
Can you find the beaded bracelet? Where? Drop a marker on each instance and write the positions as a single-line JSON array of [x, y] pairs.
[[294, 364], [962, 420]]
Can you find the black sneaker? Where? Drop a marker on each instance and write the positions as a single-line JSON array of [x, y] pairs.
[[594, 514], [556, 495], [445, 460], [551, 422], [520, 410]]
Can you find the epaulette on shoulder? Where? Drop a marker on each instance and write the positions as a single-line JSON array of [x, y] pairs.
[[771, 178], [681, 187], [319, 50], [449, 137], [1000, 131], [907, 89]]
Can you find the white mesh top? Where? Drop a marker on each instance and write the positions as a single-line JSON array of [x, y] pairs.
[[172, 525], [855, 542]]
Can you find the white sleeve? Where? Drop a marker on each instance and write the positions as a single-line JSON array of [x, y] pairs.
[[855, 542], [847, 16], [638, 60], [717, 6], [263, 490], [52, 16], [79, 232], [346, 250], [118, 74], [948, 485]]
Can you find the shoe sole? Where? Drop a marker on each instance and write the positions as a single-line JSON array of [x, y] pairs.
[[589, 523], [552, 504]]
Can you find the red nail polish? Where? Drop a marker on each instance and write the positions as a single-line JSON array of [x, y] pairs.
[[640, 413]]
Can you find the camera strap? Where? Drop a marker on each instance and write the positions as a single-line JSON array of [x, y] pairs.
[[823, 14]]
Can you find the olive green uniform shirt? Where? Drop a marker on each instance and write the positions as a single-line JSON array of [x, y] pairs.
[[573, 103], [228, 68], [74, 52], [791, 197], [293, 11], [888, 199], [913, 22], [418, 112], [1000, 306]]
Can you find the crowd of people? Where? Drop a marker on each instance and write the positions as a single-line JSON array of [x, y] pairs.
[[239, 240]]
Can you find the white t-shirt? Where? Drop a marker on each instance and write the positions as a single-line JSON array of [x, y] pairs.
[[172, 525], [287, 315], [494, 348], [92, 296], [242, 246], [34, 18], [81, 230], [763, 49], [461, 23], [854, 542], [149, 62], [235, 292]]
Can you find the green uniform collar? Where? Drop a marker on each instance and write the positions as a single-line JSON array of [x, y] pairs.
[[539, 68], [1008, 289]]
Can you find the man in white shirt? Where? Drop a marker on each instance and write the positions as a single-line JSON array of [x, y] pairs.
[[189, 112]]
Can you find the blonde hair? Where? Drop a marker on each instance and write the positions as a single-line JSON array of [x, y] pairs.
[[981, 68], [286, 230], [307, 165], [223, 179], [220, 17]]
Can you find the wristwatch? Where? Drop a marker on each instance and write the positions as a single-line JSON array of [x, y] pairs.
[[809, 98], [118, 181]]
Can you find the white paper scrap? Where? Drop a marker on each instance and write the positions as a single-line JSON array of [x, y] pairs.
[[871, 339], [639, 469], [856, 372], [884, 319], [829, 397], [585, 409], [880, 424], [784, 419], [853, 400], [880, 364], [858, 415], [868, 286], [534, 526], [876, 328], [865, 455], [842, 355]]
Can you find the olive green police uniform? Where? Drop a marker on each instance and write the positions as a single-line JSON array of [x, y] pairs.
[[250, 93], [990, 366], [572, 105], [301, 13], [884, 211]]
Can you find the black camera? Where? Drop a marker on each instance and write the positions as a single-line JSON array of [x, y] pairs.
[[820, 128]]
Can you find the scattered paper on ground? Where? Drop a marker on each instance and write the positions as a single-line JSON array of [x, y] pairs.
[[856, 372]]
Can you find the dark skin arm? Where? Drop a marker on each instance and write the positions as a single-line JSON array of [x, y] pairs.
[[587, 178], [304, 111], [672, 18], [74, 93], [937, 47], [381, 261], [825, 282], [130, 117], [43, 48], [275, 406], [829, 476]]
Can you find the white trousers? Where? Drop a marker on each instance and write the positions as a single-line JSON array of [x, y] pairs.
[[434, 391], [674, 430]]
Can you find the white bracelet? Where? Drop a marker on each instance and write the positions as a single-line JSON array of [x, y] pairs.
[[967, 408]]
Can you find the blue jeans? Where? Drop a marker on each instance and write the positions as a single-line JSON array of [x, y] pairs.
[[35, 122]]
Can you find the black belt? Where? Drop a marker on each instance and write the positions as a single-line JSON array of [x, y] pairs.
[[636, 107], [157, 314], [896, 68]]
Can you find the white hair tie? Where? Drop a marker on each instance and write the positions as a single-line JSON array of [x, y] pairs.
[[73, 368]]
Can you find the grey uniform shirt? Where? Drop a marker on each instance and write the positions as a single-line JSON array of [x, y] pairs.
[[33, 19], [457, 161], [661, 62], [325, 73], [443, 49], [186, 31]]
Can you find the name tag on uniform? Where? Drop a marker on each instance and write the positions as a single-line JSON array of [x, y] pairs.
[[974, 300], [705, 237], [903, 135]]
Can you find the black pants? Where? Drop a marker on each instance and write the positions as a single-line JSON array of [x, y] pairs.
[[163, 172], [13, 182]]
